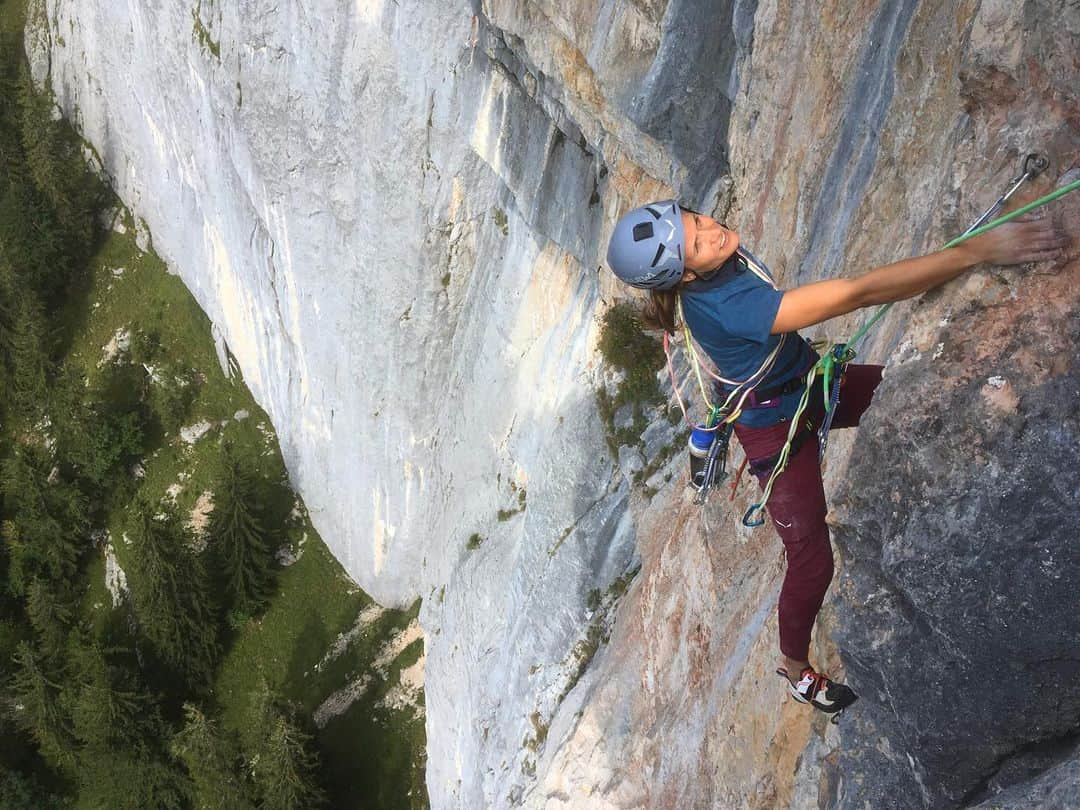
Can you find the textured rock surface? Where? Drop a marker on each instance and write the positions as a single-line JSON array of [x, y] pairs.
[[1055, 789], [393, 213]]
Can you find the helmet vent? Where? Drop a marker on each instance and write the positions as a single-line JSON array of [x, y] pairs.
[[659, 253], [643, 230]]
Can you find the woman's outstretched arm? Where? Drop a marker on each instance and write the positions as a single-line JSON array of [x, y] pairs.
[[1013, 243]]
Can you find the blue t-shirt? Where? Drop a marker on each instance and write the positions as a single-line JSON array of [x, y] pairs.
[[730, 315]]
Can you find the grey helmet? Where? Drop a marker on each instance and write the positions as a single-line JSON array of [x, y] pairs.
[[647, 246]]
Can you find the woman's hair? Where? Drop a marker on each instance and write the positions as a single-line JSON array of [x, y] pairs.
[[661, 308], [659, 312]]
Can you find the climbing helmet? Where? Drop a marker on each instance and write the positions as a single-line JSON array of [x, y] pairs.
[[648, 245]]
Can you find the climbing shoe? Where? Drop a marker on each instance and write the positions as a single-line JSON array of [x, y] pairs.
[[821, 693]]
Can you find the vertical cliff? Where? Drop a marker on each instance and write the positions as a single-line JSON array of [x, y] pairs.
[[394, 215]]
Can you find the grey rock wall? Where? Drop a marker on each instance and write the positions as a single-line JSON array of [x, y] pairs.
[[394, 213]]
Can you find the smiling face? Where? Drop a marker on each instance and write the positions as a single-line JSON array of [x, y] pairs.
[[708, 243]]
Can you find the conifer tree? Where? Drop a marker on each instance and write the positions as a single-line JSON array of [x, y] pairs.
[[9, 308], [241, 545], [47, 525], [33, 243], [170, 597], [19, 792], [29, 380], [287, 768], [101, 437], [131, 779], [53, 155], [95, 441], [108, 709], [43, 150], [122, 760], [50, 610], [213, 762], [284, 763], [11, 158], [38, 703]]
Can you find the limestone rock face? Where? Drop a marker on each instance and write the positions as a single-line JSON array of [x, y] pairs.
[[394, 214]]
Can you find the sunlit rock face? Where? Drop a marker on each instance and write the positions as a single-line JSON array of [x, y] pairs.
[[394, 214]]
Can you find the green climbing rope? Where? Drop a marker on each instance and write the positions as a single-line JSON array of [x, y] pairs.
[[989, 226]]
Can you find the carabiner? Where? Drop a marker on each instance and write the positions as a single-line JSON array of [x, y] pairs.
[[750, 524], [1034, 165]]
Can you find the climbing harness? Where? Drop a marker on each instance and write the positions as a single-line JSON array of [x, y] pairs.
[[708, 443], [829, 367]]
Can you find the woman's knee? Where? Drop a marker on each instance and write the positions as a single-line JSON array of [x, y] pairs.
[[810, 563]]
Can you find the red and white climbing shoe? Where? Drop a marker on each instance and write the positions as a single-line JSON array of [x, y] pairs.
[[821, 693]]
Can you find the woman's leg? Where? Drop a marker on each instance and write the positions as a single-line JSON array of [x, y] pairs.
[[856, 392], [797, 508]]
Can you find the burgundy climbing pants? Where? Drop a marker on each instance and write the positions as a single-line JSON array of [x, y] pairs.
[[797, 504]]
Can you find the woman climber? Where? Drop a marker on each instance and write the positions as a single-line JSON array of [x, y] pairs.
[[695, 270]]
